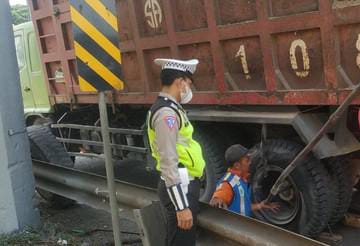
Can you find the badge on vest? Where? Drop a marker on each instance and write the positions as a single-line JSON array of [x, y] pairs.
[[170, 121]]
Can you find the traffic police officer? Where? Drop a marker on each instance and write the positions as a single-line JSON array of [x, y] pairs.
[[179, 157]]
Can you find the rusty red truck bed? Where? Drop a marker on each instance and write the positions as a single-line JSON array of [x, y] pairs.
[[276, 52]]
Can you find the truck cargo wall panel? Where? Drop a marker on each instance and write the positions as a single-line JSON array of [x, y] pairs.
[[245, 70], [299, 60], [348, 68], [301, 52]]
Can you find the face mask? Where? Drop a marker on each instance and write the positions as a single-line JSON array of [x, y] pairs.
[[186, 96]]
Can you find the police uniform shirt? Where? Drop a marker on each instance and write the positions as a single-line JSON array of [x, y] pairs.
[[170, 134], [166, 124]]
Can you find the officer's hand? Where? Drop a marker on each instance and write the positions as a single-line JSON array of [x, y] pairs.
[[218, 203], [184, 219]]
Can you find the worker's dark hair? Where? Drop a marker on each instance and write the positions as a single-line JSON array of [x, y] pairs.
[[168, 76]]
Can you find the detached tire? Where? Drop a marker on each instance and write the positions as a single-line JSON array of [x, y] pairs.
[[339, 172], [45, 147], [306, 201], [213, 153]]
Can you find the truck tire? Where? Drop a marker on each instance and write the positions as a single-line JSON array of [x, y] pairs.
[[213, 153], [337, 167], [45, 147], [306, 202]]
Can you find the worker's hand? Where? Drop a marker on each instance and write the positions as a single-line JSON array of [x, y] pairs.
[[184, 219], [218, 203], [273, 206]]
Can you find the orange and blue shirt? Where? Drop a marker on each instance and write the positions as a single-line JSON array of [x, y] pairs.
[[234, 189]]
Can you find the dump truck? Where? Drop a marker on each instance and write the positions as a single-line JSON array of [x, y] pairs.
[[270, 75]]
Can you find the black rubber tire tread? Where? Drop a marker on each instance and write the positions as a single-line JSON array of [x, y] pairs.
[[340, 175], [45, 147], [310, 174], [213, 153], [40, 121]]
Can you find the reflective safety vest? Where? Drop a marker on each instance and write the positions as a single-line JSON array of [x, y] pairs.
[[241, 201], [188, 150]]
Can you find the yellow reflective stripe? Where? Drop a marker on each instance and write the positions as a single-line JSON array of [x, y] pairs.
[[94, 34], [99, 8], [85, 86], [98, 67]]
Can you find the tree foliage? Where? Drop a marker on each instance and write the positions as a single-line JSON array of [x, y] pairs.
[[20, 14]]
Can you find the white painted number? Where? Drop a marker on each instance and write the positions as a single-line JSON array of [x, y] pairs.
[[242, 54], [305, 56], [153, 13], [358, 48]]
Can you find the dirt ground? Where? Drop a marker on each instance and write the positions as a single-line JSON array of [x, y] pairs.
[[77, 225], [80, 224]]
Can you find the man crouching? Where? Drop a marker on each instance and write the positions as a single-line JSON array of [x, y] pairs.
[[233, 191]]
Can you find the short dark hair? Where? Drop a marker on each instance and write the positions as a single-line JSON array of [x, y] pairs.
[[168, 76]]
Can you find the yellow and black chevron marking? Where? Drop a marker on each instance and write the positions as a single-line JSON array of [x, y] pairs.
[[96, 44]]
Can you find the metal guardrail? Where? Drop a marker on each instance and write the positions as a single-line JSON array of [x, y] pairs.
[[122, 147], [100, 144], [97, 128], [227, 227]]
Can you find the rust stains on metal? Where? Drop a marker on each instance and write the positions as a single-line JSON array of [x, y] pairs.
[[251, 52]]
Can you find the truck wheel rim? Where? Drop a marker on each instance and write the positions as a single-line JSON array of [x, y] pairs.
[[289, 198]]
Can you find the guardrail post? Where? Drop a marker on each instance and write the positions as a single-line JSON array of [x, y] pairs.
[[109, 167]]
